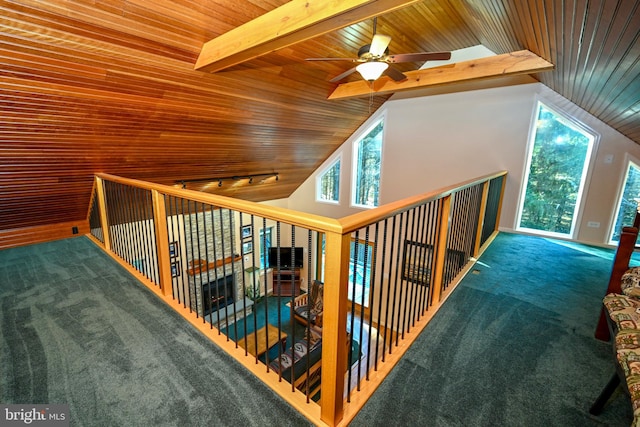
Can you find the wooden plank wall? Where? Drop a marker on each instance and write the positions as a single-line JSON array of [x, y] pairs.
[[43, 233]]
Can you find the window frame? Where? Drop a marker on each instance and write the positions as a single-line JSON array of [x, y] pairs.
[[589, 164], [628, 161], [371, 249], [332, 164], [262, 255], [354, 161]]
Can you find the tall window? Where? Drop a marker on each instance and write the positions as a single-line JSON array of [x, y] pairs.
[[265, 244], [360, 263], [556, 170], [360, 272], [367, 159], [628, 202], [328, 184]]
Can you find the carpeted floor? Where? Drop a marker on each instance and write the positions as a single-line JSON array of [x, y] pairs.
[[77, 329], [513, 346]]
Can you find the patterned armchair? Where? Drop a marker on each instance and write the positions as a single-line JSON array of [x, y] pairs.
[[623, 318]]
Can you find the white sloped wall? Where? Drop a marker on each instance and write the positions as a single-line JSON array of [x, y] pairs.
[[437, 140]]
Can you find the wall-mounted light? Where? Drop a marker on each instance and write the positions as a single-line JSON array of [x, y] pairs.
[[264, 176]]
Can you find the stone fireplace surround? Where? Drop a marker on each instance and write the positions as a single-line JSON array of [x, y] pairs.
[[211, 276], [210, 233]]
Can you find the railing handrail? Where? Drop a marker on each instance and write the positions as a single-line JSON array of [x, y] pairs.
[[433, 224], [360, 219], [275, 213], [314, 222]]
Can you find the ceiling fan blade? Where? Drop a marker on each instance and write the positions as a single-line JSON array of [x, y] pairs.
[[418, 57], [331, 59], [343, 75], [379, 44], [396, 75]]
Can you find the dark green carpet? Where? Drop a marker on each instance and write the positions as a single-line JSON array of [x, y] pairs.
[[513, 346], [77, 329]]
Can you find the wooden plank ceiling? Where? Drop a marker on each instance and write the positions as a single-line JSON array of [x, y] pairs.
[[110, 86]]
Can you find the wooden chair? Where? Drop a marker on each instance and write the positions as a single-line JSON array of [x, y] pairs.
[[307, 308]]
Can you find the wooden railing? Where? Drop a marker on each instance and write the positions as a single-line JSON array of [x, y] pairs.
[[383, 273]]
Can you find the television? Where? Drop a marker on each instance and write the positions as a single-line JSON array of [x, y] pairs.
[[285, 257]]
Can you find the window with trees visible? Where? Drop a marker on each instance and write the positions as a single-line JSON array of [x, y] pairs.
[[265, 244], [556, 172], [627, 201], [367, 161], [328, 184]]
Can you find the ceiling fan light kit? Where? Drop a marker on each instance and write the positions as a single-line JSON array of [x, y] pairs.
[[371, 71], [374, 59]]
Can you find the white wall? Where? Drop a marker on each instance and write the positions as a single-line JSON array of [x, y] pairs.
[[434, 141]]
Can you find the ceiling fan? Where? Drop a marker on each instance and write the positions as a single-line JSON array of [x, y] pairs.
[[374, 59]]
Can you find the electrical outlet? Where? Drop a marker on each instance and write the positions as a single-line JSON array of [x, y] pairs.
[[593, 224]]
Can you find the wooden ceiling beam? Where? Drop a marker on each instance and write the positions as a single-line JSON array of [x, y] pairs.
[[508, 64], [293, 22]]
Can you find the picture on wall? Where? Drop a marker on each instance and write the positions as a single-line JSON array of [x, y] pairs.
[[417, 262], [246, 231], [174, 249], [247, 247], [175, 269]]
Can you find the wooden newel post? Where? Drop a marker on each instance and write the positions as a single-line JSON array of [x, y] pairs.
[[102, 208], [334, 327], [441, 248], [482, 214], [162, 242]]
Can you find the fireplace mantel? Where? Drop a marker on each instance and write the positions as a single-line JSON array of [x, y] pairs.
[[199, 265]]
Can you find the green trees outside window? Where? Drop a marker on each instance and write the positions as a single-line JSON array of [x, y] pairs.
[[557, 167], [265, 244], [368, 157], [329, 184], [628, 203]]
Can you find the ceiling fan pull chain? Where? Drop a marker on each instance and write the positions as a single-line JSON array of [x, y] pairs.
[[370, 96]]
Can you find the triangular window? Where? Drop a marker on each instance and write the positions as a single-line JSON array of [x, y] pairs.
[[329, 184]]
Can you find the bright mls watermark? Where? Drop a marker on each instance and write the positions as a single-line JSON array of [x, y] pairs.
[[34, 415]]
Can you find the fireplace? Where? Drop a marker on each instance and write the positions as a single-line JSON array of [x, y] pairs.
[[217, 294]]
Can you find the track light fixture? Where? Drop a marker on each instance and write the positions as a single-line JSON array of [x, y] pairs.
[[264, 176]]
